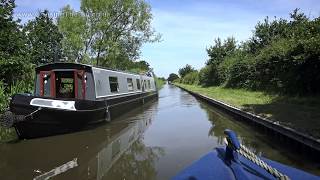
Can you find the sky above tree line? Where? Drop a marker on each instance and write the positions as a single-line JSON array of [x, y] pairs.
[[188, 27]]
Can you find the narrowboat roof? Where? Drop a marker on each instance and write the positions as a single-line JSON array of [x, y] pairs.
[[62, 65], [69, 65]]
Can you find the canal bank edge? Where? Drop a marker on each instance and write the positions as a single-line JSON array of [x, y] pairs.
[[289, 133]]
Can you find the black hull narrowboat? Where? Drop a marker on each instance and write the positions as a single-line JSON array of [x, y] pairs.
[[71, 97]]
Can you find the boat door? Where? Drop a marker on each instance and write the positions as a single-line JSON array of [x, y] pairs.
[[63, 84]]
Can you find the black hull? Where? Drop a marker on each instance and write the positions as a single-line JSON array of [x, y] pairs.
[[48, 122]]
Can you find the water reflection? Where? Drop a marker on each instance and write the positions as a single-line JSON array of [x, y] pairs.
[[137, 163], [94, 152]]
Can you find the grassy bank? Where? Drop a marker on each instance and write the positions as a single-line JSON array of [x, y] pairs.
[[300, 113], [160, 82]]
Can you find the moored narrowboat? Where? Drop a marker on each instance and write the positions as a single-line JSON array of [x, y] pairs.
[[70, 97]]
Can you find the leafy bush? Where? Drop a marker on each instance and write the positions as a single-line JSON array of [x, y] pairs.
[[3, 97], [186, 70], [173, 77], [209, 75], [18, 87], [191, 78], [283, 56], [241, 73]]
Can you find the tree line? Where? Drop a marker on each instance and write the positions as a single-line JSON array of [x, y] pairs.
[[107, 33], [282, 56]]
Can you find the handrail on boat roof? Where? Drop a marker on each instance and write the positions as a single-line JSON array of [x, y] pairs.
[[62, 65]]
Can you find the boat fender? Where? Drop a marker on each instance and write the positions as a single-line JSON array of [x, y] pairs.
[[8, 119], [108, 118]]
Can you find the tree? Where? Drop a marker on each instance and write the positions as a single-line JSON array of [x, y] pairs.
[[186, 70], [14, 61], [173, 77], [109, 30], [77, 36], [220, 50], [44, 39]]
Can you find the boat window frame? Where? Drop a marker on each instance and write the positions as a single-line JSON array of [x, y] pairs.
[[130, 83], [81, 73], [52, 83], [113, 82]]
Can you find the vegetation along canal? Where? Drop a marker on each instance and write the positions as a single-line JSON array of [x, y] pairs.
[[152, 142]]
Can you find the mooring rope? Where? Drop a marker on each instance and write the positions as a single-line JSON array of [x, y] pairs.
[[245, 152], [32, 113]]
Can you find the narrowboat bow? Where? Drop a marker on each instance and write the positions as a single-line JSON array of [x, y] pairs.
[[236, 161], [70, 97]]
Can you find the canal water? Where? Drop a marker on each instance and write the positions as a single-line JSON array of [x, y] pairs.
[[155, 141]]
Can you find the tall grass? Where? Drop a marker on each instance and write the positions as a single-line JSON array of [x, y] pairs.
[[159, 82]]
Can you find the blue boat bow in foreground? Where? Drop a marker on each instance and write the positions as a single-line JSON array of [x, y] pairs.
[[233, 162]]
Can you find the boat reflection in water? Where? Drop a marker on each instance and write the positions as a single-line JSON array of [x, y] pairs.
[[86, 155]]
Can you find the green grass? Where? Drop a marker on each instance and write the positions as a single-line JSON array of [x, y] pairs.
[[160, 83], [300, 113], [7, 134]]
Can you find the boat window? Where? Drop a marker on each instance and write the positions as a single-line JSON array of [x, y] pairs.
[[138, 84], [145, 84], [149, 84], [114, 86], [130, 84], [65, 84]]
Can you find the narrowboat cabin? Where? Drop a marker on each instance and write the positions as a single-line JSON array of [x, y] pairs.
[[70, 97]]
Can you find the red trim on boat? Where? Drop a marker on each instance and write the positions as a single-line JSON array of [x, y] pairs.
[[53, 84], [75, 79], [41, 82]]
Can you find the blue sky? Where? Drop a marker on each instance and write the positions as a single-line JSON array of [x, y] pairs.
[[188, 27]]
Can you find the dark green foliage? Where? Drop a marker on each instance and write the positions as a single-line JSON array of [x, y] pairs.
[[186, 70], [11, 38], [215, 73], [14, 61], [191, 78], [14, 69], [208, 76], [241, 73], [283, 56], [44, 39], [173, 77], [220, 50]]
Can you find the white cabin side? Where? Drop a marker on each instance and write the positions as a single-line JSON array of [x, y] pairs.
[[112, 83]]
